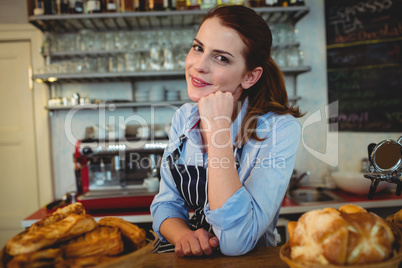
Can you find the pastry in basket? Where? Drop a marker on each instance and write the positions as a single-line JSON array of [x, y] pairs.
[[65, 229], [350, 235], [58, 215], [43, 258], [133, 235], [104, 240]]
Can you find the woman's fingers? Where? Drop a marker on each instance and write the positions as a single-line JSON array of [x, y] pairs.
[[197, 243]]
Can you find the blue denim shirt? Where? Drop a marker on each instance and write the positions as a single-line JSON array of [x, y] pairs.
[[249, 217]]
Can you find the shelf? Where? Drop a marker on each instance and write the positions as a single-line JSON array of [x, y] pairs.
[[106, 77], [126, 76], [92, 53], [150, 20], [112, 106], [105, 53], [116, 105]]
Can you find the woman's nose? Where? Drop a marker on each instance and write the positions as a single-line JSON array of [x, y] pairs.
[[201, 64]]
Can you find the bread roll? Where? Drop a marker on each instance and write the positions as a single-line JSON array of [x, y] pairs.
[[329, 236]]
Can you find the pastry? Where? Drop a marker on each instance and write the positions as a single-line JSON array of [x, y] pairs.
[[58, 215], [132, 233], [70, 227], [101, 241], [43, 258]]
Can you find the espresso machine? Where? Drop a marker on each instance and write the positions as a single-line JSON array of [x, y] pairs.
[[110, 174], [385, 165]]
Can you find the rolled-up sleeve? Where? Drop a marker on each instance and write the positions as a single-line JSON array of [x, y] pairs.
[[265, 171]]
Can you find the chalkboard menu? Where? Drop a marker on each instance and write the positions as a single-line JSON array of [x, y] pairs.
[[364, 63]]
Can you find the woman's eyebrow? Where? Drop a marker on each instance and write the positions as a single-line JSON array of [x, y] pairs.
[[215, 50]]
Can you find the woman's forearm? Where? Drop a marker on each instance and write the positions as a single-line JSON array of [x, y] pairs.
[[223, 179]]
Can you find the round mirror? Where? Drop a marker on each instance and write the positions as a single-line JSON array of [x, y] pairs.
[[387, 156]]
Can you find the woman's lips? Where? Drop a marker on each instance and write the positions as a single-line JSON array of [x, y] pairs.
[[198, 82]]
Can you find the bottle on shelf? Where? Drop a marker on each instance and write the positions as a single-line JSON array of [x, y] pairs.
[[78, 6], [207, 4], [193, 4], [62, 6], [126, 5], [255, 3], [238, 2], [142, 5], [136, 5], [171, 4], [271, 3], [181, 5], [94, 6], [38, 10], [111, 6], [157, 5], [49, 7], [224, 2]]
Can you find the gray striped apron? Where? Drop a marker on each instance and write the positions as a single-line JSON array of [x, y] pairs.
[[192, 184]]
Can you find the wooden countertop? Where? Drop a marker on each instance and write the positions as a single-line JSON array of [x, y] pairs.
[[260, 257]]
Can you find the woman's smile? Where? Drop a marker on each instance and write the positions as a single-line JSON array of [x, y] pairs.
[[197, 82]]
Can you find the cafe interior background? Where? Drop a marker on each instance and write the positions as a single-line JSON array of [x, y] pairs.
[[37, 145]]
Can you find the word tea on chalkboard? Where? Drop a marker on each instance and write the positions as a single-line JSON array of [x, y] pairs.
[[364, 63]]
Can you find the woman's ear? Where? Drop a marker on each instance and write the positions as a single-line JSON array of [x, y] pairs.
[[252, 78]]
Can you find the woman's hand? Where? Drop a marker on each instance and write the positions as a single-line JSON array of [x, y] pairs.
[[196, 243], [218, 104], [216, 112]]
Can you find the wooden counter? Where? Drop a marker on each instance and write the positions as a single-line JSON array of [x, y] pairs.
[[260, 257]]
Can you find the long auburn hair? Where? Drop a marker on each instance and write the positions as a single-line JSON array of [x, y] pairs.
[[269, 93]]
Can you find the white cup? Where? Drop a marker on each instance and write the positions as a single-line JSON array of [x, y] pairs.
[[152, 184]]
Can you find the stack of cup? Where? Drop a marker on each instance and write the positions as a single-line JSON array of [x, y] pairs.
[[157, 93], [172, 94], [141, 95]]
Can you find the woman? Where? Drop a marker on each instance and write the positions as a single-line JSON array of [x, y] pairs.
[[232, 153]]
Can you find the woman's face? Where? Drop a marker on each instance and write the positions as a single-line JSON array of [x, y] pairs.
[[215, 61]]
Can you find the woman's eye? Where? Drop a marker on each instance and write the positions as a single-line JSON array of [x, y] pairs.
[[197, 48], [222, 59]]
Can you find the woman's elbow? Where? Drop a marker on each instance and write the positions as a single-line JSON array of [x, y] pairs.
[[235, 246]]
